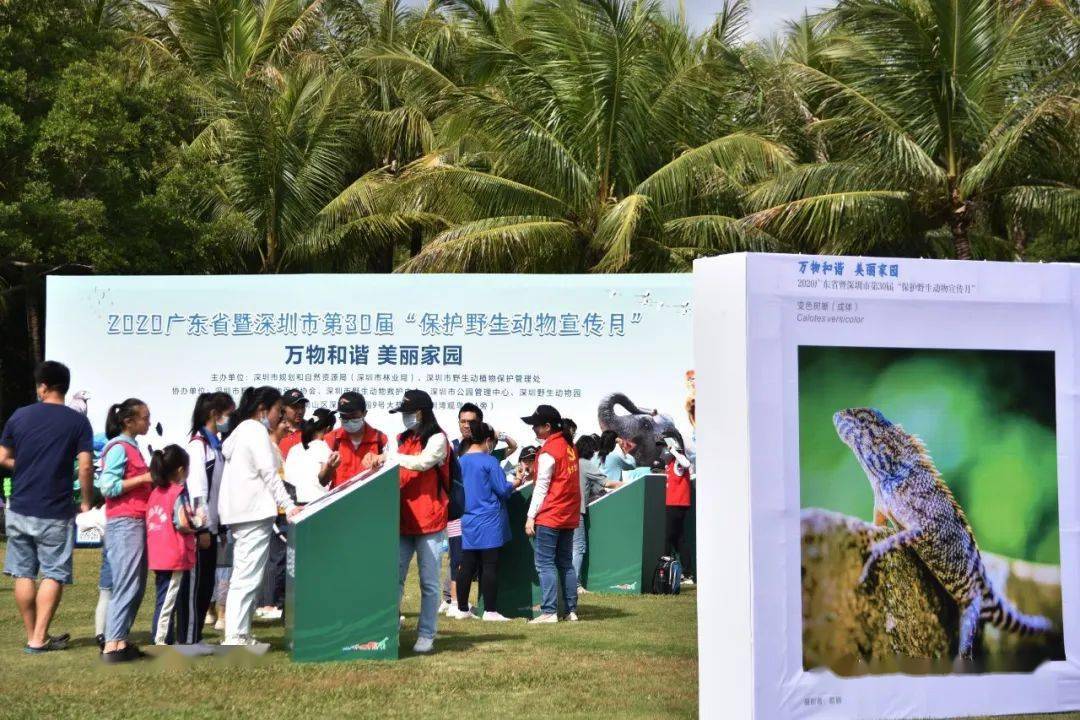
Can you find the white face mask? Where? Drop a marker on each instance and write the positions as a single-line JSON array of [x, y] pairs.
[[353, 426], [411, 420]]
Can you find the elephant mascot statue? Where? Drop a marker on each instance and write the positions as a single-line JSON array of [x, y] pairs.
[[641, 425]]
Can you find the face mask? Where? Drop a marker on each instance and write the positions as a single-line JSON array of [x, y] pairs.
[[353, 426], [411, 420], [266, 422], [223, 424]]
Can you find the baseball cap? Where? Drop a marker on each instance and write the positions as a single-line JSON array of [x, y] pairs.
[[351, 402], [294, 397], [545, 414], [414, 400]]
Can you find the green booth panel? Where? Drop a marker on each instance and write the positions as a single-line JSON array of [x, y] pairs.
[[341, 589], [626, 537], [519, 585]]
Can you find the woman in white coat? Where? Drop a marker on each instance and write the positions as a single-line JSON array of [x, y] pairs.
[[209, 419], [251, 492]]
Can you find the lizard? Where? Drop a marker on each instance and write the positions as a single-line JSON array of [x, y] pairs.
[[910, 492]]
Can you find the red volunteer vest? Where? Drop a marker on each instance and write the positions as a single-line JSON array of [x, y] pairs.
[[562, 505], [425, 494], [133, 502], [373, 442], [678, 487]]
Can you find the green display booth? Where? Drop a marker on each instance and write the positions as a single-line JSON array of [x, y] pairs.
[[626, 537], [519, 585], [341, 592]]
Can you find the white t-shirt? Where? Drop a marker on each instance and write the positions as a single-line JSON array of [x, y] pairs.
[[302, 470]]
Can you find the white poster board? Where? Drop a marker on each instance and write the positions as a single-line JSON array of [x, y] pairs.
[[978, 359], [504, 342]]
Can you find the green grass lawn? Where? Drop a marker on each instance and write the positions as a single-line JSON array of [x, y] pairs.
[[629, 657]]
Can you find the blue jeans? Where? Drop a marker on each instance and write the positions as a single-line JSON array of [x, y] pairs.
[[125, 538], [428, 550], [580, 546], [553, 553], [39, 545], [105, 575]]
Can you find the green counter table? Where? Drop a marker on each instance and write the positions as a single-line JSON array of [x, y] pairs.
[[626, 537], [519, 585], [341, 591]]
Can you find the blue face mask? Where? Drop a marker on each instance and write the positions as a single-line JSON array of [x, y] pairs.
[[266, 422], [353, 426], [223, 424], [411, 420]]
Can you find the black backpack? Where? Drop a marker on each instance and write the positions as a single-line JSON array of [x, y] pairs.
[[667, 578]]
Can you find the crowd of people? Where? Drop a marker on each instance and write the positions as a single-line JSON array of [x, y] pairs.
[[210, 519]]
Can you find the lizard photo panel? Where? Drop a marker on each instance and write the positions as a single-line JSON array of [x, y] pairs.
[[929, 510], [893, 493]]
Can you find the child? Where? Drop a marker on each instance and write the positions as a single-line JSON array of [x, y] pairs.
[[170, 535], [678, 499]]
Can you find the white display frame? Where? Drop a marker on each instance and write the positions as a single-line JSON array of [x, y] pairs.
[[746, 338]]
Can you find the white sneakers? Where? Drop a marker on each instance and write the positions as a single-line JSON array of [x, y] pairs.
[[455, 614], [424, 645], [271, 614], [401, 622], [551, 618], [492, 616], [688, 581], [444, 609], [220, 624], [544, 619]]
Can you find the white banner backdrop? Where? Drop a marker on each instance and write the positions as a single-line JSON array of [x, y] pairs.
[[504, 342]]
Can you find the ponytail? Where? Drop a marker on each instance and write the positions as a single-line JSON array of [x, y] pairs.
[[119, 414], [253, 400], [320, 421], [206, 405], [479, 432], [164, 464]]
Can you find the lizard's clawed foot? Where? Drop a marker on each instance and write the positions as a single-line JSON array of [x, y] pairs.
[[867, 569]]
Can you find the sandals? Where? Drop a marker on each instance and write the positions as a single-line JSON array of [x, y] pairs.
[[52, 644]]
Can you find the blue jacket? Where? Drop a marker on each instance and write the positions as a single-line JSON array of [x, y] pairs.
[[485, 524]]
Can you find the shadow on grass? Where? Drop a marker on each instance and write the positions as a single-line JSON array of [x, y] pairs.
[[454, 642], [595, 613]]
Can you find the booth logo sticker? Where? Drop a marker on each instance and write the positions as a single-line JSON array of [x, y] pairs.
[[370, 646], [631, 587]]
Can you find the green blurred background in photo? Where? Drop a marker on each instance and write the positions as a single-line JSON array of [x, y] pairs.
[[986, 417]]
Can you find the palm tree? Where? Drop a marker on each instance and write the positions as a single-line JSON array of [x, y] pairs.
[[580, 134], [944, 122], [283, 127]]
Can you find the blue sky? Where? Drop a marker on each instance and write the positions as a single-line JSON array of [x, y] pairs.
[[766, 16]]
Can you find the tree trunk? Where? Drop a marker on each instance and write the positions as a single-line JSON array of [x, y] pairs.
[[1019, 238], [270, 260], [33, 324], [959, 222]]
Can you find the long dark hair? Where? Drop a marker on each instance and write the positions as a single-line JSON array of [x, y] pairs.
[[587, 445], [607, 443], [479, 432], [320, 421], [205, 406], [165, 463], [119, 414], [252, 401], [424, 429]]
